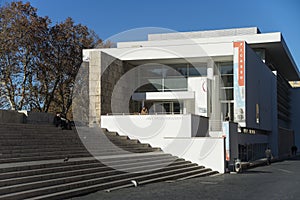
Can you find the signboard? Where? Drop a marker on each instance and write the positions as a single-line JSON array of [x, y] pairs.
[[239, 81], [240, 48], [199, 86], [225, 130]]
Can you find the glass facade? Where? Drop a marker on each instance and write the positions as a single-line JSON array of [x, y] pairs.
[[226, 97], [172, 77], [226, 73]]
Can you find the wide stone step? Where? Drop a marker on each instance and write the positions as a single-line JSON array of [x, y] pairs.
[[37, 147], [32, 162], [108, 186], [103, 170], [46, 149], [40, 171], [36, 158], [54, 140], [32, 128], [71, 166], [40, 132], [109, 152], [93, 188], [37, 135], [200, 172], [42, 164], [26, 190], [23, 125], [16, 147], [39, 141], [22, 148], [173, 176], [40, 153], [105, 174], [67, 153]]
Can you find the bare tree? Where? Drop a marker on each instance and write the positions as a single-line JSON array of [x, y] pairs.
[[21, 33], [39, 62], [67, 41]]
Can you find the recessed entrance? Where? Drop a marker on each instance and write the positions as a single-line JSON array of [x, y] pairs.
[[165, 108]]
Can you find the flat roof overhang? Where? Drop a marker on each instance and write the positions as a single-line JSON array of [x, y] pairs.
[[281, 59]]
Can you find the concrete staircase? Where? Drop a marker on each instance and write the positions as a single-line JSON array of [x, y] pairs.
[[45, 162]]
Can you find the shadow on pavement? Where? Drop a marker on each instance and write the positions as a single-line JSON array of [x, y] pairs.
[[255, 172]]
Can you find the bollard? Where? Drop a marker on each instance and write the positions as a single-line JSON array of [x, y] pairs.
[[238, 165]]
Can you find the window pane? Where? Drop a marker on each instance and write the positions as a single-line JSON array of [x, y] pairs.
[[198, 69], [175, 84], [226, 94], [227, 80], [180, 69], [226, 68]]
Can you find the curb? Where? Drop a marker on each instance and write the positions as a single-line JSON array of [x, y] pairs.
[[263, 162]]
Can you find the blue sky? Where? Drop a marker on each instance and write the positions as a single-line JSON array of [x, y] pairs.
[[110, 17]]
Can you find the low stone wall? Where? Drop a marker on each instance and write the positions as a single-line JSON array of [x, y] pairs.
[[12, 116], [40, 118], [174, 134]]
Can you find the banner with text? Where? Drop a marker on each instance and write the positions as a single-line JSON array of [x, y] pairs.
[[239, 81]]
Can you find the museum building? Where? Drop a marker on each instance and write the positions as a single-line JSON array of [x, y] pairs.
[[211, 96]]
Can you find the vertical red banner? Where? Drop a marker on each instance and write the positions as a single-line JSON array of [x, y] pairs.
[[241, 62]]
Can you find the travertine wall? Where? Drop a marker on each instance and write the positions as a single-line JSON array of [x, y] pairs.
[[108, 93], [112, 71], [94, 87]]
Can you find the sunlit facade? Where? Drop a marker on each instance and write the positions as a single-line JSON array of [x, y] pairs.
[[236, 76]]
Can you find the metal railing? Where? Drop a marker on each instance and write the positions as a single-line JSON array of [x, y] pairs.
[[151, 113]]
